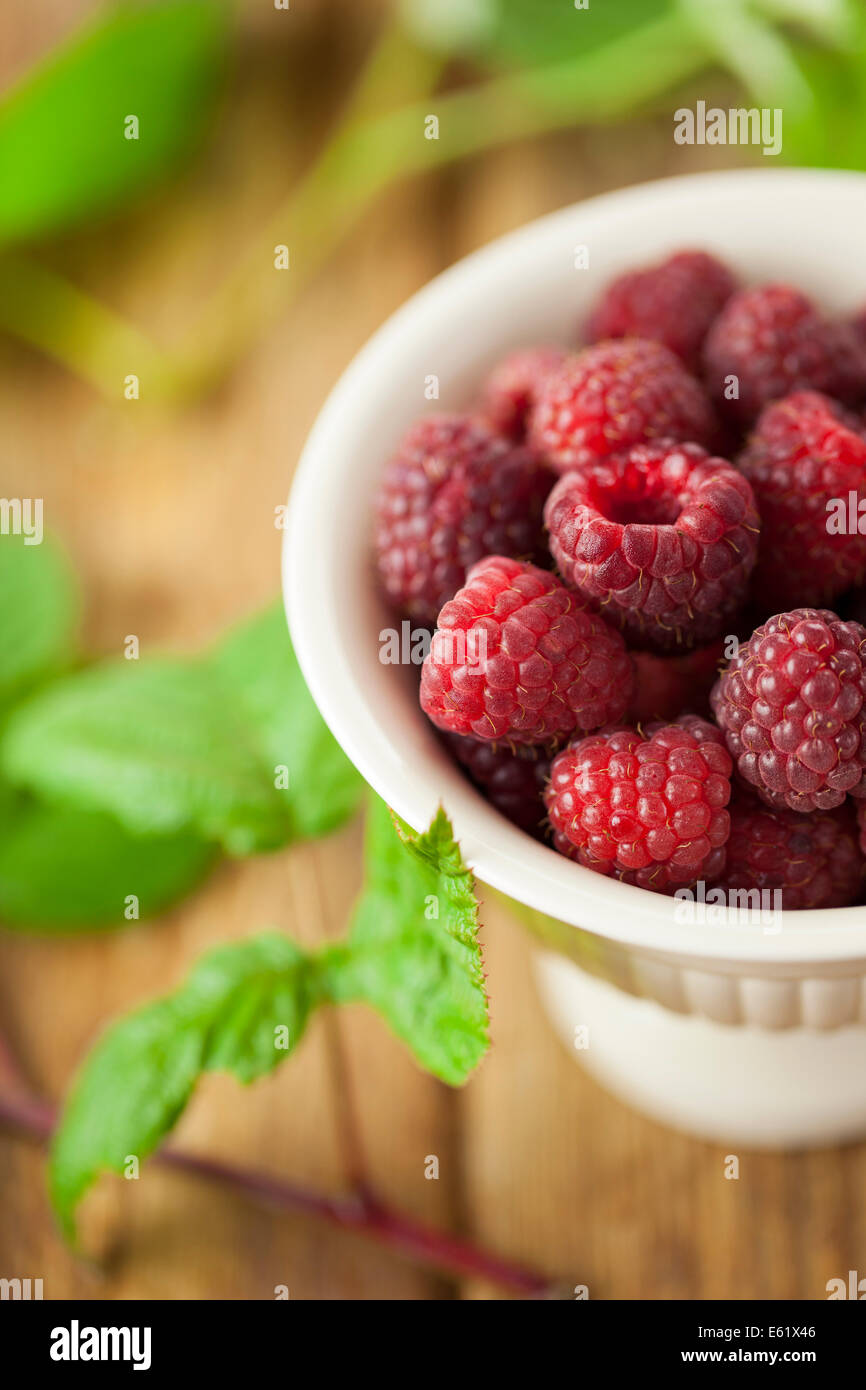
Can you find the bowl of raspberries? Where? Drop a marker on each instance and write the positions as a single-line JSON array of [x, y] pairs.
[[576, 550]]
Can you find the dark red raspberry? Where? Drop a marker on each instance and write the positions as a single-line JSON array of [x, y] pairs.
[[673, 303], [512, 387], [773, 340], [512, 779], [861, 826], [453, 492], [647, 810], [614, 395], [806, 453], [516, 658], [791, 707], [813, 859], [667, 685], [663, 536]]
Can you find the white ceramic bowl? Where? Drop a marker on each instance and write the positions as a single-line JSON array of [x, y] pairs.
[[659, 996]]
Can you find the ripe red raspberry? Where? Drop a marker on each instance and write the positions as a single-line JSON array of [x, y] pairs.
[[813, 859], [516, 658], [667, 685], [512, 387], [647, 810], [791, 707], [512, 779], [774, 341], [453, 492], [673, 303], [861, 826], [663, 536], [614, 395], [806, 452]]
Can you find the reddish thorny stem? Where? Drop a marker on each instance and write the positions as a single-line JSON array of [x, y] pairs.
[[362, 1212]]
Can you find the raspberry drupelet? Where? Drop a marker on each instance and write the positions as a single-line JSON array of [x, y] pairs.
[[664, 537], [791, 705], [813, 860], [673, 303], [453, 492], [612, 396], [648, 809], [516, 658], [805, 459]]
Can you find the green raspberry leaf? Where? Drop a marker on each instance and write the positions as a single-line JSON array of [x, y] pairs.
[[64, 153], [38, 613], [67, 870], [10, 808], [152, 743], [521, 32], [413, 951], [199, 745], [242, 1010], [547, 30], [258, 665]]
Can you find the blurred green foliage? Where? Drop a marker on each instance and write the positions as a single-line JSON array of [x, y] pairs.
[[127, 777], [64, 154], [67, 869], [39, 611], [831, 133], [522, 32], [526, 67], [228, 746]]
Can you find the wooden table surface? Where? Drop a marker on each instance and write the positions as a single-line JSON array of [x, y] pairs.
[[169, 519]]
